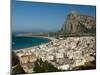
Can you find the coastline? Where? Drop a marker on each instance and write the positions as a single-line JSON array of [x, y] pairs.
[[64, 54], [49, 39]]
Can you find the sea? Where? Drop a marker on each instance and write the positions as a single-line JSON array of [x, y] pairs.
[[20, 42]]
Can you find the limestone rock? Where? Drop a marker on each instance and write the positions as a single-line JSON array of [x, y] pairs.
[[78, 22]]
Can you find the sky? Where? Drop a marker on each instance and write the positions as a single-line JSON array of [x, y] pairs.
[[43, 17]]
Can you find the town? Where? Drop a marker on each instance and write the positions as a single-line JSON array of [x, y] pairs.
[[64, 54]]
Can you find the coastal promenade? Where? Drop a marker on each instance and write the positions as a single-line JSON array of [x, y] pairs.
[[65, 54]]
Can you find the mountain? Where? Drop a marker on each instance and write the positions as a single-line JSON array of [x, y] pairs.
[[79, 23]]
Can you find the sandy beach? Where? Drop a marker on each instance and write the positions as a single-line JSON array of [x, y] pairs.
[[65, 54]]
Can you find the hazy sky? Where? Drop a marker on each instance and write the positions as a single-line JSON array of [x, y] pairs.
[[36, 17]]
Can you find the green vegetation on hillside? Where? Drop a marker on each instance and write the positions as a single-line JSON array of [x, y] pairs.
[[44, 66], [16, 67]]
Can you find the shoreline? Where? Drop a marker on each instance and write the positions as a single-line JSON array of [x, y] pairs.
[[49, 38], [64, 54]]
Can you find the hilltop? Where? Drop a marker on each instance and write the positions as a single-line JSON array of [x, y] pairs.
[[76, 22]]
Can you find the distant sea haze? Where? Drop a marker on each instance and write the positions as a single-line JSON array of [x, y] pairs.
[[24, 42]]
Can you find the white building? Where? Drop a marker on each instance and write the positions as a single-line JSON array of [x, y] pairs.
[[64, 67], [50, 57], [59, 55]]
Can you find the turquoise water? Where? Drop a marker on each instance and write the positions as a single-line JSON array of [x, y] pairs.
[[24, 42]]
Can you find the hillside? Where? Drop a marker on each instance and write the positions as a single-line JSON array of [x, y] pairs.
[[78, 23]]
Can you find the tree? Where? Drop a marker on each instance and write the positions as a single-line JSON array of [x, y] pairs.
[[41, 66], [16, 67]]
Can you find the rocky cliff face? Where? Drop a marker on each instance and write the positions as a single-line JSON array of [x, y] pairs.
[[76, 22]]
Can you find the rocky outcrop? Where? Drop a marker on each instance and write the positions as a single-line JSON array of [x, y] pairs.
[[16, 66], [78, 23]]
